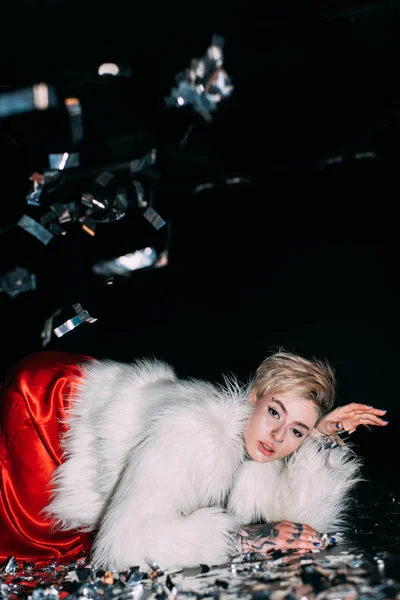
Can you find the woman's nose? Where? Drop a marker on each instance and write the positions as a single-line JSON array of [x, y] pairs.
[[278, 434]]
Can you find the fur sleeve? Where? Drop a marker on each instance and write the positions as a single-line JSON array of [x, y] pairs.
[[253, 498], [103, 424], [167, 504], [315, 485]]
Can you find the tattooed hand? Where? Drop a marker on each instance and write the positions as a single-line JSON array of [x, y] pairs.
[[277, 536]]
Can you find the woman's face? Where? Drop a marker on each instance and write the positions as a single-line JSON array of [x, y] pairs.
[[279, 425]]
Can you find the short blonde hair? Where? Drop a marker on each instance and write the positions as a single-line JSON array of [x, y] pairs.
[[286, 372]]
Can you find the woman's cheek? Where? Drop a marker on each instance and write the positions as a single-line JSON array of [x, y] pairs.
[[268, 419], [292, 445], [298, 442]]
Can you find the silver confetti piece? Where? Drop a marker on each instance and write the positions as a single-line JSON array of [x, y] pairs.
[[33, 196], [143, 163], [83, 313], [230, 182], [17, 281], [35, 229], [137, 592], [47, 593], [381, 567], [154, 218], [11, 565], [58, 209], [56, 229], [38, 181], [50, 175], [48, 217], [69, 213], [48, 328], [87, 199], [52, 179], [203, 186], [104, 178], [37, 97], [185, 138], [63, 161], [237, 180], [91, 202], [365, 155], [104, 210], [204, 84], [82, 317], [142, 203], [74, 110], [68, 326], [121, 201]]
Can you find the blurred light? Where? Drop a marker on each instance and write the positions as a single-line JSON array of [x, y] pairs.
[[127, 263], [63, 161], [136, 260], [41, 96], [108, 69]]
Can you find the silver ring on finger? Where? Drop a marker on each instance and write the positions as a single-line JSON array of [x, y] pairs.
[[325, 538]]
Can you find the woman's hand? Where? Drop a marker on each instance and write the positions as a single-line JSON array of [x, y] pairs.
[[349, 417], [281, 535]]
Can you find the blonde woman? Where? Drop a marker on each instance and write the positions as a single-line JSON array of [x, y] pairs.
[[129, 463]]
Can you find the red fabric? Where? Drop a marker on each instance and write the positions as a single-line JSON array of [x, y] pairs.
[[33, 399]]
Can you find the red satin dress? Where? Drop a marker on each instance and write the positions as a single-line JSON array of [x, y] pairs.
[[34, 399]]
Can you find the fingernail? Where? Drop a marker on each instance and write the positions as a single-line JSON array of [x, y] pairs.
[[316, 543], [369, 405], [337, 425], [384, 420], [383, 409], [332, 540]]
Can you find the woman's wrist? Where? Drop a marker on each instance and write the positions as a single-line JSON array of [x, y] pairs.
[[238, 544]]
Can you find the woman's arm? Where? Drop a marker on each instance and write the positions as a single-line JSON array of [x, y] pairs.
[[283, 535]]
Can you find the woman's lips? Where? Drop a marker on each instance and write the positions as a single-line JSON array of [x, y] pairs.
[[264, 450]]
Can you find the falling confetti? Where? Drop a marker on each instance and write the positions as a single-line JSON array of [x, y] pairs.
[[204, 84]]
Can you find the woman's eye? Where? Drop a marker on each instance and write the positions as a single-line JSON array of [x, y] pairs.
[[273, 412], [297, 433]]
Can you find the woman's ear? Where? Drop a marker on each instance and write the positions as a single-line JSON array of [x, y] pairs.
[[253, 397]]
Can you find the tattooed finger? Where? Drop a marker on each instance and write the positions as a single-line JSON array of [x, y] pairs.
[[299, 530], [262, 547], [303, 544], [310, 530]]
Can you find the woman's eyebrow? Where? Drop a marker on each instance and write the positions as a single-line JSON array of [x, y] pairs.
[[280, 404], [300, 424]]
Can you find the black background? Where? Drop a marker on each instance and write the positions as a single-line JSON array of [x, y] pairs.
[[303, 258]]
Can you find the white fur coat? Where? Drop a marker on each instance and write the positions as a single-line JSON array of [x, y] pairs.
[[157, 467]]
